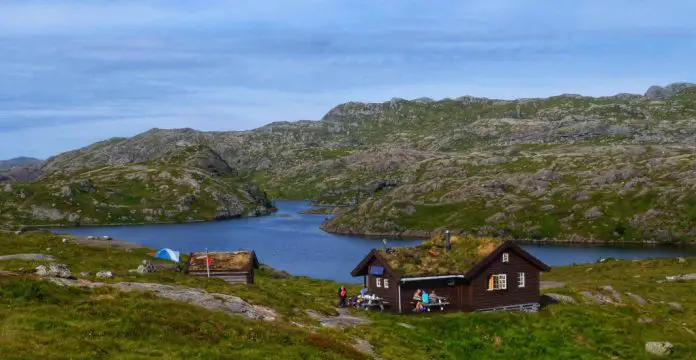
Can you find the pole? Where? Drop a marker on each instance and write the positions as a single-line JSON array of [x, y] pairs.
[[207, 262]]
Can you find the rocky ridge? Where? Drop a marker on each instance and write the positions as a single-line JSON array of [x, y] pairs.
[[186, 185], [569, 167]]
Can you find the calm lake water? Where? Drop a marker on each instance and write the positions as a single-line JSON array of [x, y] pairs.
[[293, 242]]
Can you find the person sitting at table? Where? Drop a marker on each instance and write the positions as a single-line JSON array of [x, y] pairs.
[[426, 299], [433, 296], [417, 295], [418, 300], [363, 292]]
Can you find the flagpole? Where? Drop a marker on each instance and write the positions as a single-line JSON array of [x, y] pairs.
[[207, 262]]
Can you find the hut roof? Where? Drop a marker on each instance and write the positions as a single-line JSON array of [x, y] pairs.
[[224, 261], [431, 258]]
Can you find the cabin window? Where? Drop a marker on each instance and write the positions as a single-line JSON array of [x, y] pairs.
[[520, 280], [497, 282], [506, 257], [378, 282], [386, 283]]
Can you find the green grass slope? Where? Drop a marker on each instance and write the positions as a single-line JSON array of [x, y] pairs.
[[41, 320]]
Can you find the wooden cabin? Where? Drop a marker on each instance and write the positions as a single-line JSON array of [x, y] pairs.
[[472, 275], [235, 267]]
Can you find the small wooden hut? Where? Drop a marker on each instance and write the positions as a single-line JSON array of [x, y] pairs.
[[474, 274], [236, 267]]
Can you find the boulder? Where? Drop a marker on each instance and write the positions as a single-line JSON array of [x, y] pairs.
[[85, 274], [41, 271], [615, 294], [659, 348], [104, 275], [675, 306], [681, 277], [637, 298], [145, 268], [558, 298], [681, 260], [599, 299], [54, 270]]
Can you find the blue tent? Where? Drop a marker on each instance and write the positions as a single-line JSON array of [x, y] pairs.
[[167, 254]]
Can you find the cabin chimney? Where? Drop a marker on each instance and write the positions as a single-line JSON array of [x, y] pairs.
[[448, 245]]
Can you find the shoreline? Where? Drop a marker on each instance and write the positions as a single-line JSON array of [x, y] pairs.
[[426, 235], [23, 228]]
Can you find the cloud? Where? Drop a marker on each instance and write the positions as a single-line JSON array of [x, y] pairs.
[[74, 72]]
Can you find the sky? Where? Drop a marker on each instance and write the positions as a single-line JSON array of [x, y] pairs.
[[76, 72]]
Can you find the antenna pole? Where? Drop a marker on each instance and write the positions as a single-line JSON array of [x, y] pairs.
[[207, 262]]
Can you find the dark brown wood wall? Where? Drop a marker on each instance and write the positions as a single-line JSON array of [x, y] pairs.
[[231, 277], [483, 299], [457, 294], [390, 294]]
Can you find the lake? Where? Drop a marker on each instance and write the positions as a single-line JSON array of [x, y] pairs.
[[291, 241]]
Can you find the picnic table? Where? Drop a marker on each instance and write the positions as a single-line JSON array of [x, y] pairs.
[[434, 301], [373, 301]]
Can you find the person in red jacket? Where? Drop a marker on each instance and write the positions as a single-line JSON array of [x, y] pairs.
[[342, 295]]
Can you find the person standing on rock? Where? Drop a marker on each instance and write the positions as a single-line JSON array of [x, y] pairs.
[[342, 294]]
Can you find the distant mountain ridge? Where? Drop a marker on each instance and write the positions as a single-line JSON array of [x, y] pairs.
[[568, 167], [19, 161]]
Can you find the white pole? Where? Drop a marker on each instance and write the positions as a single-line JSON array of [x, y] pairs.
[[207, 262]]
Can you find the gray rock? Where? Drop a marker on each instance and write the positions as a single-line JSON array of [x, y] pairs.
[[41, 271], [638, 299], [59, 271], [105, 275], [681, 277], [659, 348], [212, 301], [615, 294], [144, 269], [85, 274], [37, 257], [593, 213], [599, 299], [564, 299], [675, 306], [645, 320], [681, 260]]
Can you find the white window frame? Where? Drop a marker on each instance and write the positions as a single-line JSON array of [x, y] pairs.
[[378, 282], [506, 257], [386, 283], [521, 280], [499, 282]]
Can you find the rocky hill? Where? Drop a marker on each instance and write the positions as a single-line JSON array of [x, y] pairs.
[[567, 167], [187, 184]]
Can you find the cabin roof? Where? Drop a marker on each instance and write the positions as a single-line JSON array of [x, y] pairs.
[[467, 256], [224, 261]]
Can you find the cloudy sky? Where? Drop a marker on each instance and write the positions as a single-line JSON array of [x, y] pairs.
[[75, 72]]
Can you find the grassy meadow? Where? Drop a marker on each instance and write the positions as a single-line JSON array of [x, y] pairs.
[[43, 320]]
